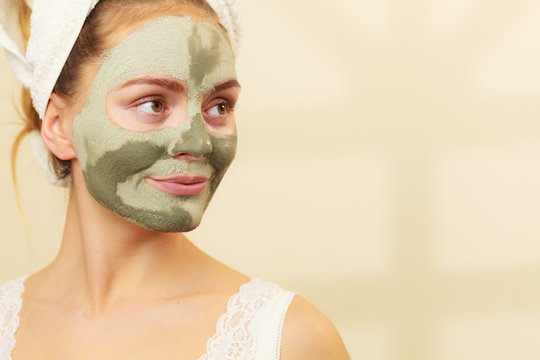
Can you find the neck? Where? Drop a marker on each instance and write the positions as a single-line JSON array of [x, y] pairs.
[[104, 259]]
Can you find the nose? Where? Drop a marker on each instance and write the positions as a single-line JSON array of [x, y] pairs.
[[194, 143]]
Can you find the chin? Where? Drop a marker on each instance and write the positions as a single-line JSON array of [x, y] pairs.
[[170, 224]]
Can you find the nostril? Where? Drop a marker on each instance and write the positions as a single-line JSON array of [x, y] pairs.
[[187, 157], [195, 141]]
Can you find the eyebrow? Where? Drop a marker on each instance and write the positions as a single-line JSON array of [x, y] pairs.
[[174, 84], [227, 84], [171, 84]]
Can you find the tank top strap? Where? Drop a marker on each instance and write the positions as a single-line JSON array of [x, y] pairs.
[[251, 327], [268, 325], [10, 305]]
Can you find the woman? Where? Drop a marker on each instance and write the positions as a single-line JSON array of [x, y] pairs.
[[139, 121]]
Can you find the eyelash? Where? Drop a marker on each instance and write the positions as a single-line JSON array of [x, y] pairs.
[[229, 108], [151, 99]]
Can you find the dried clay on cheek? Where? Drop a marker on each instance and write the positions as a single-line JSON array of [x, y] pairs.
[[115, 161]]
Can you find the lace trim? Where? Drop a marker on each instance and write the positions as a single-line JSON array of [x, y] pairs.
[[10, 305], [233, 339]]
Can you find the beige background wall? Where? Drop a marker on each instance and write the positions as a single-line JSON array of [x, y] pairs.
[[388, 171]]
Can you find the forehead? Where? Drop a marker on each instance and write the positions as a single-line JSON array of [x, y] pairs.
[[193, 51]]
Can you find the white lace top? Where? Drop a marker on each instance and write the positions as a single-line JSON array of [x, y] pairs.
[[250, 329]]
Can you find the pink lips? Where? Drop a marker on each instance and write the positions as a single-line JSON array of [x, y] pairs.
[[182, 184]]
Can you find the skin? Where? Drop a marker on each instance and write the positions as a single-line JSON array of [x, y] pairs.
[[115, 161], [117, 290]]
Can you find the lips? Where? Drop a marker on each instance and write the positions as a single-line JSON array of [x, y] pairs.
[[181, 184]]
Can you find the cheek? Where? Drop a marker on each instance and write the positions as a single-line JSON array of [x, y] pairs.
[[115, 167], [223, 152], [224, 147]]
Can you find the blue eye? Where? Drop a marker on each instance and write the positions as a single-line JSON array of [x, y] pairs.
[[219, 109], [151, 107]]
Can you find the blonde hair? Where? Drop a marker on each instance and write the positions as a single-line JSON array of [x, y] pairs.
[[30, 117]]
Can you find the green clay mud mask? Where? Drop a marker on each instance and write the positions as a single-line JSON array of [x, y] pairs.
[[121, 166]]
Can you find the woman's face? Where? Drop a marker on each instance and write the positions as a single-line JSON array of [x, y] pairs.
[[157, 132]]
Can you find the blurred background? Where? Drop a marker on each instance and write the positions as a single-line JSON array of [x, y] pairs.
[[388, 170]]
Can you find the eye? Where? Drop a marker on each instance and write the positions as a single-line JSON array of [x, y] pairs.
[[151, 107], [221, 109]]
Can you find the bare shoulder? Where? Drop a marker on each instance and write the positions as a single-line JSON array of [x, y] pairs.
[[309, 334]]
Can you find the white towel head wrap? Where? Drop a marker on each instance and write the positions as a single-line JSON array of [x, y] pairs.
[[54, 28]]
